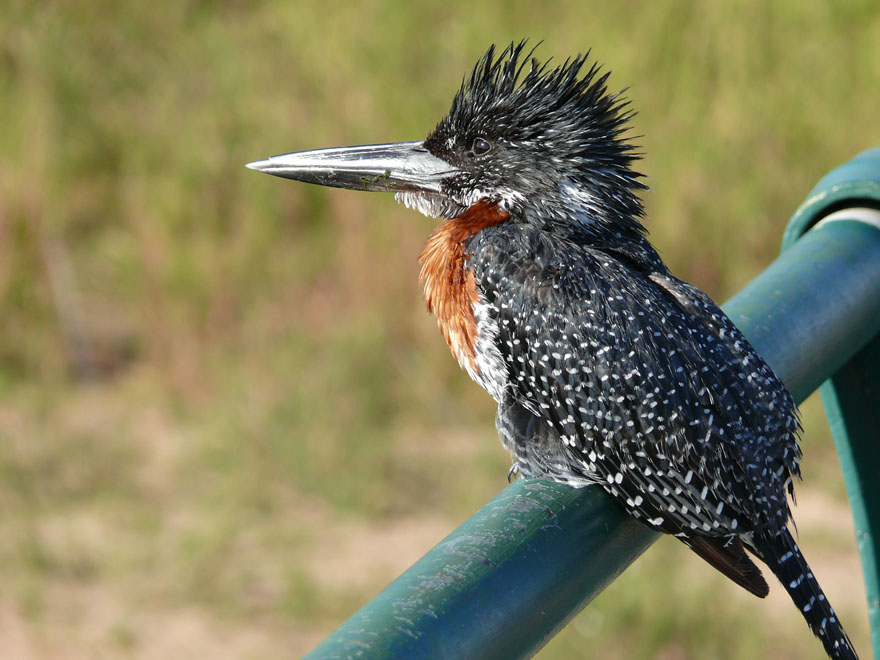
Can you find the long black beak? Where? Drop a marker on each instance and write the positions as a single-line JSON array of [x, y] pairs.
[[397, 167]]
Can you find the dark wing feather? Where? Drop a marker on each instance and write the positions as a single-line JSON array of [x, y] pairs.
[[729, 557]]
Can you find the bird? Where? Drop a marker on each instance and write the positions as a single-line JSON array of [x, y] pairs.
[[607, 370]]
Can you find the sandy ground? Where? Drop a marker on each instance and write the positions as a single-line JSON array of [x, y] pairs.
[[81, 620]]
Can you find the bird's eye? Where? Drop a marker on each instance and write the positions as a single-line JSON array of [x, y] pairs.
[[481, 146]]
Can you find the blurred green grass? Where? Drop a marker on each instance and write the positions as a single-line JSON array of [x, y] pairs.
[[220, 394]]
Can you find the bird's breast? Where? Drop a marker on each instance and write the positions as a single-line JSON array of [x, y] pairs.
[[451, 291]]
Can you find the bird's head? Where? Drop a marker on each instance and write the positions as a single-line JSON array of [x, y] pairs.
[[545, 144]]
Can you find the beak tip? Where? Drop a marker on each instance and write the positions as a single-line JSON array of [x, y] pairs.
[[258, 165]]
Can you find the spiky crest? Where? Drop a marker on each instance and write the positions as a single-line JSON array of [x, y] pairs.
[[559, 154]]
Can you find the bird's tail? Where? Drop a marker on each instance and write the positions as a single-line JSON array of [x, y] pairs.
[[782, 555]]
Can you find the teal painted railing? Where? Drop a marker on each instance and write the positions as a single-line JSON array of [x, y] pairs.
[[508, 579], [851, 396]]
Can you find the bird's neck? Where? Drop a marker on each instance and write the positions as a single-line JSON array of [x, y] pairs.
[[578, 217], [449, 288]]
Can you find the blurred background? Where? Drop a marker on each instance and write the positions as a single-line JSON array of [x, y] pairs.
[[226, 419]]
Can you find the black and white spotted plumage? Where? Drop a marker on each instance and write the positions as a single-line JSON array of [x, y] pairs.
[[649, 389]]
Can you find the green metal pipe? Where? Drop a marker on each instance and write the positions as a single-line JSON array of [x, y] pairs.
[[852, 395], [815, 306], [851, 400], [508, 579], [502, 584]]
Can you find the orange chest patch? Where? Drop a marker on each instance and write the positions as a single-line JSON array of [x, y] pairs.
[[449, 287]]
